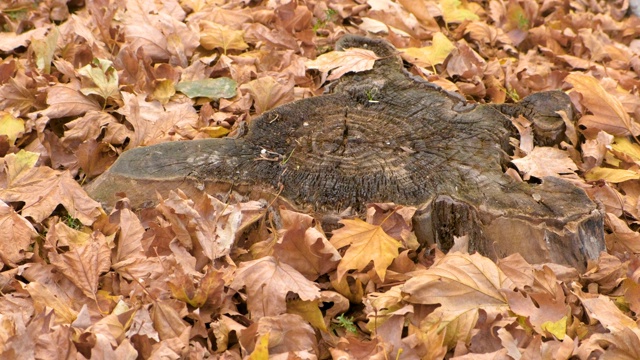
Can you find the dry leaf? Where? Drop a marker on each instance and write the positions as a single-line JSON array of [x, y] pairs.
[[460, 282], [267, 283], [342, 62], [547, 161], [367, 243], [608, 113], [83, 265], [42, 189], [432, 55], [214, 36], [16, 236]]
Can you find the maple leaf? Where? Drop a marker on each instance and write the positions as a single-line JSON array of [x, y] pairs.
[[11, 127], [432, 55], [167, 320], [367, 243], [16, 236], [547, 161], [268, 93], [460, 282], [42, 189], [267, 282], [608, 113], [289, 334], [214, 36], [611, 175], [64, 101], [454, 12], [540, 307], [83, 265], [342, 62], [304, 247], [105, 77]]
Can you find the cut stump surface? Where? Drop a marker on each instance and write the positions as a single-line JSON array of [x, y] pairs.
[[385, 136]]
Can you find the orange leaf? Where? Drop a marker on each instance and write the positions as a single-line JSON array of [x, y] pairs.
[[368, 243]]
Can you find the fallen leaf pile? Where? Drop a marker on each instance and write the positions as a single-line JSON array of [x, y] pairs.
[[83, 81]]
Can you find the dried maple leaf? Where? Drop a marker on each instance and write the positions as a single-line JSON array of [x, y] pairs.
[[16, 236], [304, 247], [218, 36], [367, 243], [342, 62], [608, 113], [11, 126], [83, 265], [460, 282], [167, 320], [540, 307], [104, 76], [288, 334], [429, 56], [547, 161], [64, 101], [154, 123], [454, 12], [42, 189], [268, 93], [267, 282]]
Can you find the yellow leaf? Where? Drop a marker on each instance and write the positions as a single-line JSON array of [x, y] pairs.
[[164, 90], [556, 328], [45, 298], [454, 12], [18, 164], [261, 351], [342, 62], [368, 243], [222, 37], [608, 112], [626, 150], [11, 126], [309, 311], [215, 131], [432, 55], [611, 175]]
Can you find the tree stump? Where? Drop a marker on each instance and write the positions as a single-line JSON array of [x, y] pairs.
[[385, 136]]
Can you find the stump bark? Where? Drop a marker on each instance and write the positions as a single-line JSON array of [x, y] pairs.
[[385, 136]]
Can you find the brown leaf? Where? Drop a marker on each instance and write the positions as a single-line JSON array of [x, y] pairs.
[[367, 243], [64, 101], [342, 62], [214, 36], [83, 265], [539, 307], [268, 93], [267, 283], [42, 189], [155, 123], [167, 320], [288, 333], [460, 282], [547, 161], [16, 236], [304, 247], [608, 113]]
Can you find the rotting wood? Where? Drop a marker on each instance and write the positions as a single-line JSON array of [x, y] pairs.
[[385, 136]]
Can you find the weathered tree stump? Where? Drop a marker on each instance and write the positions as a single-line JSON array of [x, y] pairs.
[[384, 136]]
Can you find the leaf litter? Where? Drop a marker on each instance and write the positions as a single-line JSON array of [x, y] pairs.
[[81, 82]]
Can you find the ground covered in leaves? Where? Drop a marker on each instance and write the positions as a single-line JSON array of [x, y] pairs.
[[81, 82]]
